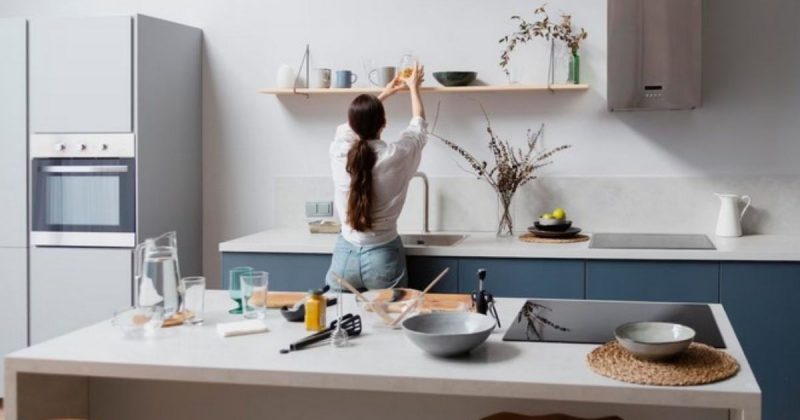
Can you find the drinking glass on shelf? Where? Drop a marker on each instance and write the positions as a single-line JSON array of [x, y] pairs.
[[254, 286], [235, 287], [194, 289], [407, 63]]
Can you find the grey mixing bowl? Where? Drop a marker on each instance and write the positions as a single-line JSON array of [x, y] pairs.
[[448, 333], [455, 78]]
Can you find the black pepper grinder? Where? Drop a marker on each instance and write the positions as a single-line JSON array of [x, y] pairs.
[[483, 300]]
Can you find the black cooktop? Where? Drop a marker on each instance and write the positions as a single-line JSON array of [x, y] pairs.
[[594, 322]]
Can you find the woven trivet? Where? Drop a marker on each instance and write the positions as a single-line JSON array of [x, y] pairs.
[[531, 238], [699, 364]]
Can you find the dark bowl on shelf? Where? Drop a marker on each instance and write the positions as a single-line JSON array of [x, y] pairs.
[[561, 227], [455, 78]]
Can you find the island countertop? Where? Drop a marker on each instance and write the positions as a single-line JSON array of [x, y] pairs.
[[541, 371], [483, 244]]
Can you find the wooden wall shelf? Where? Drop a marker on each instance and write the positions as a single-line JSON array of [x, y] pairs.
[[437, 89]]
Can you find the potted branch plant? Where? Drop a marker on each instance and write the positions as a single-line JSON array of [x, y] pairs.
[[550, 31], [512, 168]]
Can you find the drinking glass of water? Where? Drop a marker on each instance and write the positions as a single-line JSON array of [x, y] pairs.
[[194, 290], [255, 286]]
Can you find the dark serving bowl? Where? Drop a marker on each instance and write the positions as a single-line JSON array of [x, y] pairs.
[[561, 227], [455, 78]]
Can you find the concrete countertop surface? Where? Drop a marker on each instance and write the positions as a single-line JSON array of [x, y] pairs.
[[483, 244], [379, 360]]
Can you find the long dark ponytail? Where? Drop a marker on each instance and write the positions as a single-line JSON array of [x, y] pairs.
[[366, 117]]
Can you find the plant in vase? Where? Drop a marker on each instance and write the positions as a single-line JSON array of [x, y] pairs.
[[550, 31], [512, 168]]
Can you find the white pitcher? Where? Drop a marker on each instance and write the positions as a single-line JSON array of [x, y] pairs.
[[729, 222]]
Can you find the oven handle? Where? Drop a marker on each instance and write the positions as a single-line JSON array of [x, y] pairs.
[[99, 169]]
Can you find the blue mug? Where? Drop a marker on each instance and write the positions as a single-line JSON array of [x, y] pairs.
[[345, 79]]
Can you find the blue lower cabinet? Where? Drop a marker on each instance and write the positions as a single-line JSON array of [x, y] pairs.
[[655, 281], [511, 277], [422, 270], [287, 272], [761, 300]]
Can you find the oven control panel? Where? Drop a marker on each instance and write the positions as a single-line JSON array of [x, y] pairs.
[[88, 145]]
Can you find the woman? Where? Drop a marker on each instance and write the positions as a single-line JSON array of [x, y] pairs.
[[370, 180]]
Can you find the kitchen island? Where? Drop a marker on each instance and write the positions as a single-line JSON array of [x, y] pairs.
[[192, 373]]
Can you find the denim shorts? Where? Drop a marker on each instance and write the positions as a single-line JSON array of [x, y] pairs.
[[369, 267]]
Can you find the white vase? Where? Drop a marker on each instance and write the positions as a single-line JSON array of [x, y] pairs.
[[286, 77]]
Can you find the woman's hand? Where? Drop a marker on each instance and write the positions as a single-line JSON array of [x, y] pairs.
[[393, 87], [414, 81]]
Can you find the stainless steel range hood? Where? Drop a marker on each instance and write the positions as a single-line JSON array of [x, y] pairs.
[[654, 54]]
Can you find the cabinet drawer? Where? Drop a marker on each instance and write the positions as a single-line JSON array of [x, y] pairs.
[[287, 272], [657, 281], [509, 277]]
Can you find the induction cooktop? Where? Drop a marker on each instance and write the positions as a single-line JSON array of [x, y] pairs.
[[594, 322], [650, 241]]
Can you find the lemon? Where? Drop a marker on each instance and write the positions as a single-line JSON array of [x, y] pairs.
[[559, 213], [547, 216]]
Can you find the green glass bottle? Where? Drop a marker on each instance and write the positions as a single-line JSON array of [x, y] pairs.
[[574, 68]]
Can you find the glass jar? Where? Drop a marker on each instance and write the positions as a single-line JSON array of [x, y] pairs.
[[316, 306]]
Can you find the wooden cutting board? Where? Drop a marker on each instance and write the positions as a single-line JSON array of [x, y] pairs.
[[434, 302], [277, 300]]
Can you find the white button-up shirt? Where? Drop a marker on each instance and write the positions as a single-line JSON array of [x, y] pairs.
[[396, 164]]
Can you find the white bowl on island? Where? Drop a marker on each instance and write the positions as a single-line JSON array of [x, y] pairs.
[[654, 340]]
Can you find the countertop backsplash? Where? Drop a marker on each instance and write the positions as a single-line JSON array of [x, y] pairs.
[[619, 204]]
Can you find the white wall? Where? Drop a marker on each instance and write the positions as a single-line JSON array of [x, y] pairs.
[[748, 125]]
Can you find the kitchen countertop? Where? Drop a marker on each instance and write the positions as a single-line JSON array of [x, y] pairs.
[[483, 244], [540, 371]]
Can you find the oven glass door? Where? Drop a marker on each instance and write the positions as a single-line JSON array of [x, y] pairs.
[[89, 195]]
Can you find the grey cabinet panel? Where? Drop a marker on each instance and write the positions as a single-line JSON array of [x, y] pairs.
[[71, 288], [287, 272], [660, 281], [422, 270], [81, 74], [761, 302], [523, 277], [13, 133], [13, 301]]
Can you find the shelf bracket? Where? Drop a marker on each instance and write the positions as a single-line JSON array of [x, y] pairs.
[[303, 63]]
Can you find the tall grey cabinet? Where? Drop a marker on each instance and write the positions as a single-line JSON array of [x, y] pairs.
[[13, 188], [121, 74]]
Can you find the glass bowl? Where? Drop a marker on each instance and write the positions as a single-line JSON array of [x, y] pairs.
[[392, 303], [136, 322]]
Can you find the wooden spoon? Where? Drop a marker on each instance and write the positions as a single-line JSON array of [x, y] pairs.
[[421, 296]]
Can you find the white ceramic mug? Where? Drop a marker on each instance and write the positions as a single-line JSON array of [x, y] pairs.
[[320, 78], [381, 76]]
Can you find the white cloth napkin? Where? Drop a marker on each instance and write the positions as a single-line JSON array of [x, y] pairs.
[[250, 326]]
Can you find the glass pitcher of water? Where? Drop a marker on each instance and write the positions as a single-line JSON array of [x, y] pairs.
[[157, 274]]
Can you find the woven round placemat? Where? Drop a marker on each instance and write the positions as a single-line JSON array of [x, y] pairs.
[[531, 238], [699, 364]]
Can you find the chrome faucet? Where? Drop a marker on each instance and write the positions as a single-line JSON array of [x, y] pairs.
[[426, 192]]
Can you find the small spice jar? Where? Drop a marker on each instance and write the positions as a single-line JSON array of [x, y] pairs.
[[316, 306]]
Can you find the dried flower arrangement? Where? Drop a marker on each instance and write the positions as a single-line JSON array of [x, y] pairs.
[[513, 167], [542, 28]]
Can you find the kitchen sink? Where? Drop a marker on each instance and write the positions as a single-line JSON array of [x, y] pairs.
[[432, 239]]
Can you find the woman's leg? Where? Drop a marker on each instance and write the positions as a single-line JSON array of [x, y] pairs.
[[384, 266]]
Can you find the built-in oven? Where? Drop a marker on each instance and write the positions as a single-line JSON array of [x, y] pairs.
[[83, 190]]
